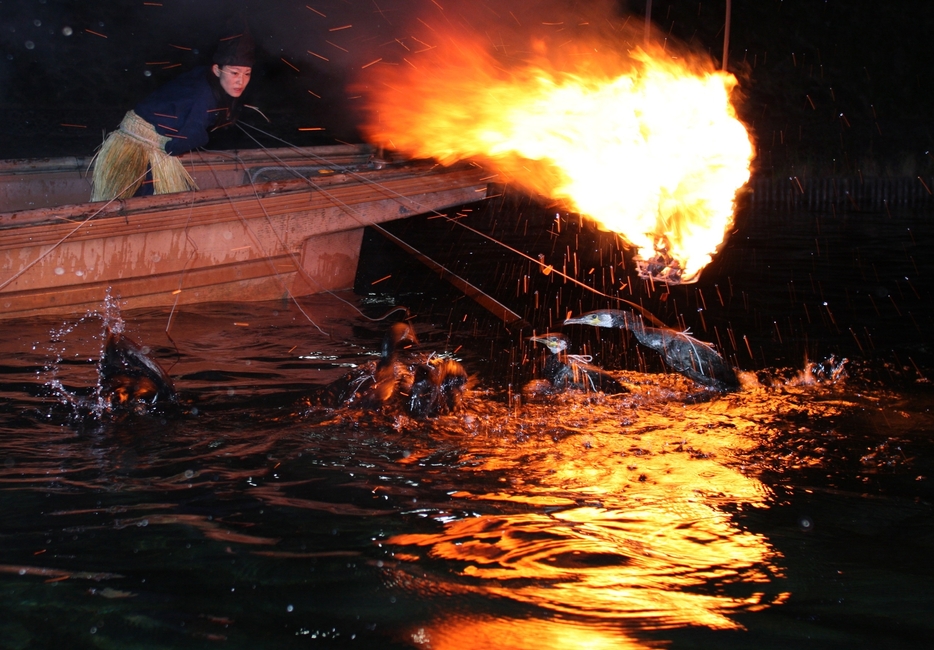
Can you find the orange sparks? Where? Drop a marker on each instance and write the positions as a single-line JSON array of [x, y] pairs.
[[315, 10], [337, 29], [424, 49], [76, 126], [425, 24], [645, 144], [289, 64], [180, 47], [91, 31], [324, 58], [370, 63]]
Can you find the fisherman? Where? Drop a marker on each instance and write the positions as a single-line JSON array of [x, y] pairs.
[[140, 158]]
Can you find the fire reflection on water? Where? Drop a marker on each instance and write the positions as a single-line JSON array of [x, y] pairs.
[[628, 516]]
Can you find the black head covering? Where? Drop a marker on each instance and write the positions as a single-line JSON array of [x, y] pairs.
[[236, 48]]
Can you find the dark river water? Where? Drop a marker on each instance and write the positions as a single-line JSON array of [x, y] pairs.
[[795, 512]]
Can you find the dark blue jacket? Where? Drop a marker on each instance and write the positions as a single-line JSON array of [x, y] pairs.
[[187, 108]]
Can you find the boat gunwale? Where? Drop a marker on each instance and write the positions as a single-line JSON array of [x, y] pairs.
[[70, 214], [199, 158]]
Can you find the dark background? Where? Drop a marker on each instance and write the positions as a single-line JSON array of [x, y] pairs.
[[829, 87]]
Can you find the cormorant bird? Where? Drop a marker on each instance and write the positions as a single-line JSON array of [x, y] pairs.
[[565, 371], [685, 354], [128, 377], [417, 383]]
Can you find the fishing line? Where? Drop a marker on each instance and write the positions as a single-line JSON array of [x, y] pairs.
[[354, 215], [260, 248], [402, 198], [185, 268], [484, 299], [293, 257]]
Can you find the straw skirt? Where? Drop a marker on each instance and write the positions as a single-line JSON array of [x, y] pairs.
[[127, 154]]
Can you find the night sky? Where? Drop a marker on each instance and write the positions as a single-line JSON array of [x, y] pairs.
[[829, 86]]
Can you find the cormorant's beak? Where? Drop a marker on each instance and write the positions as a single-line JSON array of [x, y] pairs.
[[550, 342], [586, 319]]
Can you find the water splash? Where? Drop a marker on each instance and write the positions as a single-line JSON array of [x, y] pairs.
[[72, 374]]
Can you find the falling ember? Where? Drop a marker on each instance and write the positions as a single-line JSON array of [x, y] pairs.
[[646, 145]]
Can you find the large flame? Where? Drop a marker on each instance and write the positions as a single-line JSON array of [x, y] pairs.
[[647, 145]]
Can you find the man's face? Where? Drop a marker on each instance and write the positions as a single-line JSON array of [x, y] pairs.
[[233, 78]]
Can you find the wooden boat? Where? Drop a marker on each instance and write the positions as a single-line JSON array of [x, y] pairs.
[[265, 224]]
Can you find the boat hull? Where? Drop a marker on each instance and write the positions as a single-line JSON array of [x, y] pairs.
[[260, 241]]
